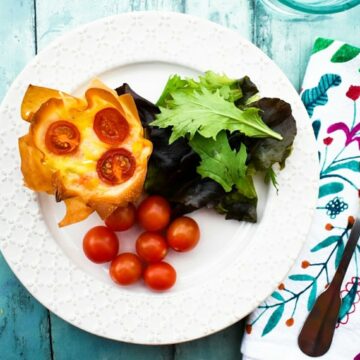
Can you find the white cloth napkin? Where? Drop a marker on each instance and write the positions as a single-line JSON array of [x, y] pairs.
[[331, 95]]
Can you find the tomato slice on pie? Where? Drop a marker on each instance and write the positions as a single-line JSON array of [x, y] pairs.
[[62, 137], [110, 126], [116, 166]]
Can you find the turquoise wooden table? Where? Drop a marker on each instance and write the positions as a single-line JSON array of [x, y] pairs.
[[27, 330]]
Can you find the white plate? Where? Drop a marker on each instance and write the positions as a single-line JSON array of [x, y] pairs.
[[235, 266]]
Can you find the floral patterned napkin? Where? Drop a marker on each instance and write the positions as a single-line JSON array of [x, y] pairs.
[[331, 95]]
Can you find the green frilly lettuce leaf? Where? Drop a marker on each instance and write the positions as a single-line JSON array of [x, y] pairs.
[[213, 168]]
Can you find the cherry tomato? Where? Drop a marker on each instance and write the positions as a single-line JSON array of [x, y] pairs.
[[151, 246], [123, 218], [100, 244], [62, 137], [116, 166], [110, 126], [154, 213], [183, 234], [160, 276], [126, 269]]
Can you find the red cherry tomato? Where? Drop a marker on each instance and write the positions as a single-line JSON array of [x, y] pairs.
[[183, 234], [100, 244], [151, 246], [110, 126], [62, 137], [126, 269], [160, 276], [123, 218], [116, 166], [154, 213]]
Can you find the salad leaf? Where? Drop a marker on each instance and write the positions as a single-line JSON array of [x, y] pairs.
[[219, 162], [230, 89], [263, 153], [165, 156], [172, 168], [174, 83], [235, 205], [249, 90], [270, 176], [169, 157], [246, 187], [207, 193], [208, 113], [196, 194], [146, 109]]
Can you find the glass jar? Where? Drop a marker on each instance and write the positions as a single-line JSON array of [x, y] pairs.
[[311, 6]]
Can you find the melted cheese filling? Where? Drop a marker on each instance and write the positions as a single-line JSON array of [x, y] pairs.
[[79, 168]]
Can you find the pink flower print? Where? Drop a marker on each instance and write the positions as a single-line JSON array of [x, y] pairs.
[[353, 93], [349, 134], [348, 286], [327, 141]]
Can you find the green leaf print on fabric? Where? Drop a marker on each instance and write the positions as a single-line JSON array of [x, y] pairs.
[[307, 284], [339, 253], [273, 319], [331, 188], [301, 277], [317, 96], [345, 53], [316, 125], [321, 44], [331, 87], [350, 165], [325, 243], [276, 295], [347, 301], [312, 297]]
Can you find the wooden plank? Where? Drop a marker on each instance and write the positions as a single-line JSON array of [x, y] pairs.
[[53, 19], [289, 42], [234, 14], [224, 345], [70, 342], [24, 325], [163, 5], [16, 39], [24, 322], [272, 34], [57, 17]]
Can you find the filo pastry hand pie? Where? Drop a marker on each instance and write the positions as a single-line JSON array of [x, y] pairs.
[[89, 152]]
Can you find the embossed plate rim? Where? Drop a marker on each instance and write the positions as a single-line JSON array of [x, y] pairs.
[[155, 318]]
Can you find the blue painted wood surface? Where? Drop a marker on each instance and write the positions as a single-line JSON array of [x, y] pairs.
[[24, 323], [27, 330]]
